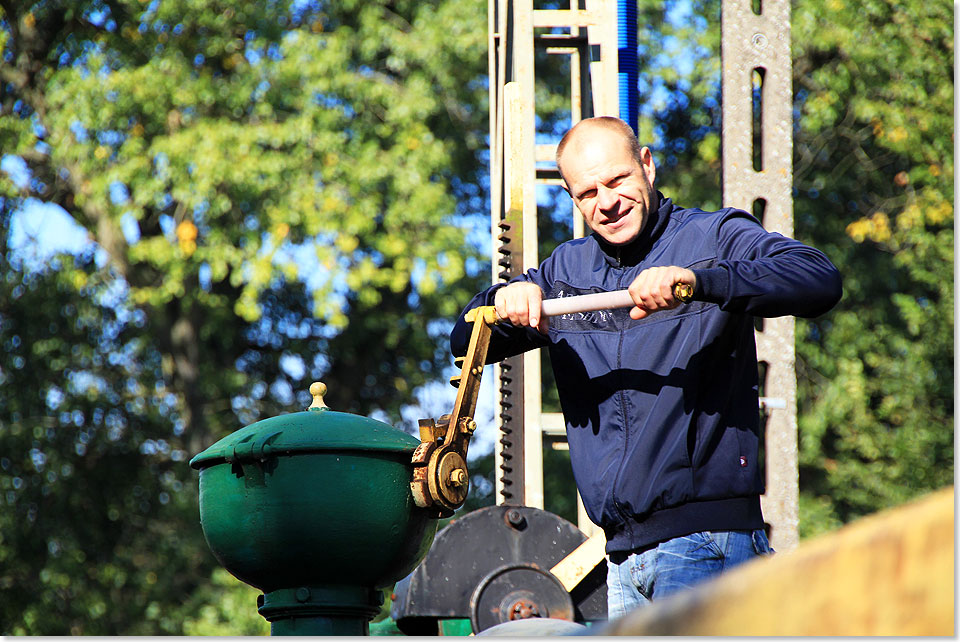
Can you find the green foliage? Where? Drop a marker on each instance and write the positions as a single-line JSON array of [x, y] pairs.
[[226, 607], [99, 524], [277, 193], [874, 172]]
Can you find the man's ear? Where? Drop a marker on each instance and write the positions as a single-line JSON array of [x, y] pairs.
[[646, 162]]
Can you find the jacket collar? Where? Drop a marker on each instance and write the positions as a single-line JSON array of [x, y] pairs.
[[633, 252]]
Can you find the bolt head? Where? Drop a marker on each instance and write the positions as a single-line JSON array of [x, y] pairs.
[[458, 477], [516, 518]]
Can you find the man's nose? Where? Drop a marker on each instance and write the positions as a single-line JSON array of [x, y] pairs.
[[607, 199]]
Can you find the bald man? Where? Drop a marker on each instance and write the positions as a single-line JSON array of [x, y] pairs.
[[659, 400]]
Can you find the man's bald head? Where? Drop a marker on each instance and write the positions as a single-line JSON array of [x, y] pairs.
[[581, 132]]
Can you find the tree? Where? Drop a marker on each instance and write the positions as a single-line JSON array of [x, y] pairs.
[[873, 178], [95, 528], [276, 192]]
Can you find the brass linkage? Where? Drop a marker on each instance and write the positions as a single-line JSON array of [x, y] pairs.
[[440, 475]]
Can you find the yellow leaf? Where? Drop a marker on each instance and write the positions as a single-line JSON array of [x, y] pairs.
[[186, 231], [898, 134]]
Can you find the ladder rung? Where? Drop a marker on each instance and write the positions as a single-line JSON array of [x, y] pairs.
[[568, 38], [564, 18], [549, 178], [552, 424], [546, 153], [562, 51]]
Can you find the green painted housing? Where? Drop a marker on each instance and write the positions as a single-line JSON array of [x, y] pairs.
[[314, 508]]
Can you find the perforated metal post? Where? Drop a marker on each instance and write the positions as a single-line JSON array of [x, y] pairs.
[[758, 177]]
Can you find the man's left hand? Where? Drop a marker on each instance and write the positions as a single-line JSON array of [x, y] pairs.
[[652, 290]]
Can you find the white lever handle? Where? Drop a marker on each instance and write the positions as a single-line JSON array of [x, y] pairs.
[[586, 303], [603, 301]]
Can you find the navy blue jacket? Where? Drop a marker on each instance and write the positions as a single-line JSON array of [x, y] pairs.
[[662, 413]]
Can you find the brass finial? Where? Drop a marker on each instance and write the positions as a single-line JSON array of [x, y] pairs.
[[317, 389]]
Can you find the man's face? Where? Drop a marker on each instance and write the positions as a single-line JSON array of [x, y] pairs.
[[610, 188]]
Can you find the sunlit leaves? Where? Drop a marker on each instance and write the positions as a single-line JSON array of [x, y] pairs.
[[264, 181], [873, 172]]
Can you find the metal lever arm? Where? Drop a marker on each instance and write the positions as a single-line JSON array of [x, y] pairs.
[[440, 475]]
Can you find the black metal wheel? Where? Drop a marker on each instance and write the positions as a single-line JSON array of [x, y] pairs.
[[517, 592]]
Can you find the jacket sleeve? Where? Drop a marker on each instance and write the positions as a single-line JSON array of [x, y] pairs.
[[506, 340], [767, 274]]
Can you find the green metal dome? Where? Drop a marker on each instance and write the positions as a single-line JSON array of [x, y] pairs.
[[313, 430], [314, 508]]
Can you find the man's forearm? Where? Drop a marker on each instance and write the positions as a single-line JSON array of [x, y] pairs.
[[767, 275]]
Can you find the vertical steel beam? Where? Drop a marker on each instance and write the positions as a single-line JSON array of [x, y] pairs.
[[523, 69], [506, 219], [756, 71]]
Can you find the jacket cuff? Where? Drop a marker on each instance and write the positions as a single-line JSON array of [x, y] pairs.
[[713, 285], [491, 293]]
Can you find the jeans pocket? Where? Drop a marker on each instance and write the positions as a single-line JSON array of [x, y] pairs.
[[761, 545], [713, 549]]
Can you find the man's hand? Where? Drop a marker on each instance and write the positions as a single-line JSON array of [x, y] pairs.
[[652, 290], [520, 303]]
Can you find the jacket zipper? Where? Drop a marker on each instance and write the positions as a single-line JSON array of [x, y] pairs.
[[623, 407]]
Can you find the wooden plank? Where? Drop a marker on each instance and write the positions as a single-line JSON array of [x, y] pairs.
[[887, 574], [580, 561]]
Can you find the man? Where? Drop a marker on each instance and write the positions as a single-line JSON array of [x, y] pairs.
[[660, 402]]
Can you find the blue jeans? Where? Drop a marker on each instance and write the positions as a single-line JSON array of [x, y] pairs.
[[635, 579]]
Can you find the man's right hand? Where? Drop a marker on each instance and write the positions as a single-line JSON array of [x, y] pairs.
[[520, 302]]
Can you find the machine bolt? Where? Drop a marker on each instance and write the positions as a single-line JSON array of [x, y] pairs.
[[524, 609], [458, 477], [516, 519], [303, 594], [469, 425]]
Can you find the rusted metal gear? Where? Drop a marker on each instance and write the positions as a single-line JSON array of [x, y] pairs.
[[518, 591]]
